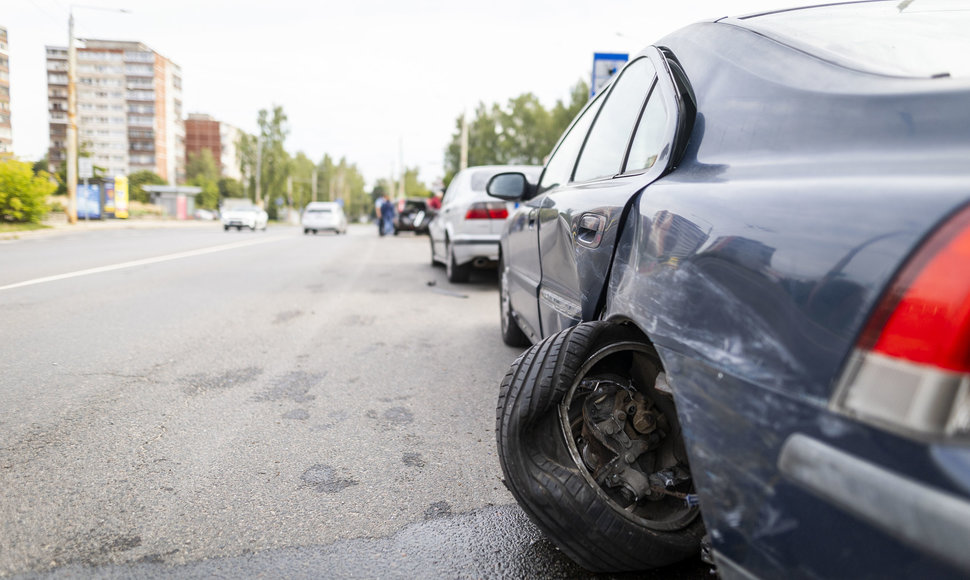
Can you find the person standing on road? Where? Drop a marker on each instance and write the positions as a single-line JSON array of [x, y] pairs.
[[377, 214], [387, 216], [435, 201]]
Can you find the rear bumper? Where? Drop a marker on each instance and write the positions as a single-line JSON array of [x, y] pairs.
[[480, 249], [321, 225]]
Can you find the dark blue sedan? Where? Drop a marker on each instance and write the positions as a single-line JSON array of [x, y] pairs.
[[745, 273]]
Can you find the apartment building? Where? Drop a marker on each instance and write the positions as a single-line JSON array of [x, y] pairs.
[[205, 132], [6, 132], [129, 108]]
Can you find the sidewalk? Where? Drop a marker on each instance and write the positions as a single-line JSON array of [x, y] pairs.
[[57, 225]]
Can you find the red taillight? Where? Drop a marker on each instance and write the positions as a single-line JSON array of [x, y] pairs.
[[910, 371], [487, 211], [926, 314]]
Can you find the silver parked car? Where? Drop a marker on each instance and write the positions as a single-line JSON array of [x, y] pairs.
[[467, 230]]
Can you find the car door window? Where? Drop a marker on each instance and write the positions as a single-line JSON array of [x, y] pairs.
[[560, 166], [606, 146], [650, 137]]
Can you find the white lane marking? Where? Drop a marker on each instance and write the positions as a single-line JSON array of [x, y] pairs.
[[143, 262]]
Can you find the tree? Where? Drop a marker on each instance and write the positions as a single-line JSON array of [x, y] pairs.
[[203, 172], [274, 161], [202, 164], [303, 173], [525, 131], [139, 179], [563, 115], [342, 181], [23, 193], [246, 151], [522, 131], [483, 141], [229, 187], [412, 186]]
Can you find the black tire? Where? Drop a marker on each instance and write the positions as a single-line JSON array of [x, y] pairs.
[[456, 274], [512, 334], [225, 228], [547, 473]]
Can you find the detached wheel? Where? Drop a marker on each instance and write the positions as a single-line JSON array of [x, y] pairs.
[[593, 452], [455, 273], [512, 334]]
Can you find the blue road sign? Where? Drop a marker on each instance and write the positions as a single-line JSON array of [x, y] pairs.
[[605, 65]]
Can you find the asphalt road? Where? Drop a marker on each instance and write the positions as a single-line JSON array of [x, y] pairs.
[[189, 402]]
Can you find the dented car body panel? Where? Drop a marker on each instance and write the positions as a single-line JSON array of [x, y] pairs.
[[753, 264]]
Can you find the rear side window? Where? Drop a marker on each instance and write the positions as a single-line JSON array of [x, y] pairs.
[[649, 139], [607, 144]]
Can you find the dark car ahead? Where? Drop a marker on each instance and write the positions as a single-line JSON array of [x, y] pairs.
[[746, 272], [413, 215]]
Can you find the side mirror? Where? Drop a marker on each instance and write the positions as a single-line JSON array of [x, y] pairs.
[[508, 186]]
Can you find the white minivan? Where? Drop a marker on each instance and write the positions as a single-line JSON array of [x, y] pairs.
[[323, 216]]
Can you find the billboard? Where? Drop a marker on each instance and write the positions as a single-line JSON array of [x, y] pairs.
[[89, 201], [121, 196], [109, 198]]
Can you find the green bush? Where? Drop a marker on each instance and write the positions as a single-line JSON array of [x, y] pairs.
[[23, 194]]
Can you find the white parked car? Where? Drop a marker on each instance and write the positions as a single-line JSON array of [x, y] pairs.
[[324, 216], [466, 232], [247, 216]]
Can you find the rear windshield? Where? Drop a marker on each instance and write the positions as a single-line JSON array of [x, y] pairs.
[[917, 38], [480, 179], [320, 210]]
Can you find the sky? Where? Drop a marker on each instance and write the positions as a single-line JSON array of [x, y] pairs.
[[373, 81]]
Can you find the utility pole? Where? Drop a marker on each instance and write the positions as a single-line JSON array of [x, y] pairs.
[[259, 170], [463, 159], [71, 122], [400, 152]]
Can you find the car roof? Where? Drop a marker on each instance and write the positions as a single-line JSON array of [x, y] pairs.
[[908, 38]]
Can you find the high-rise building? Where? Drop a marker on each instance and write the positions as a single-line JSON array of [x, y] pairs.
[[6, 132], [129, 108], [204, 132]]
